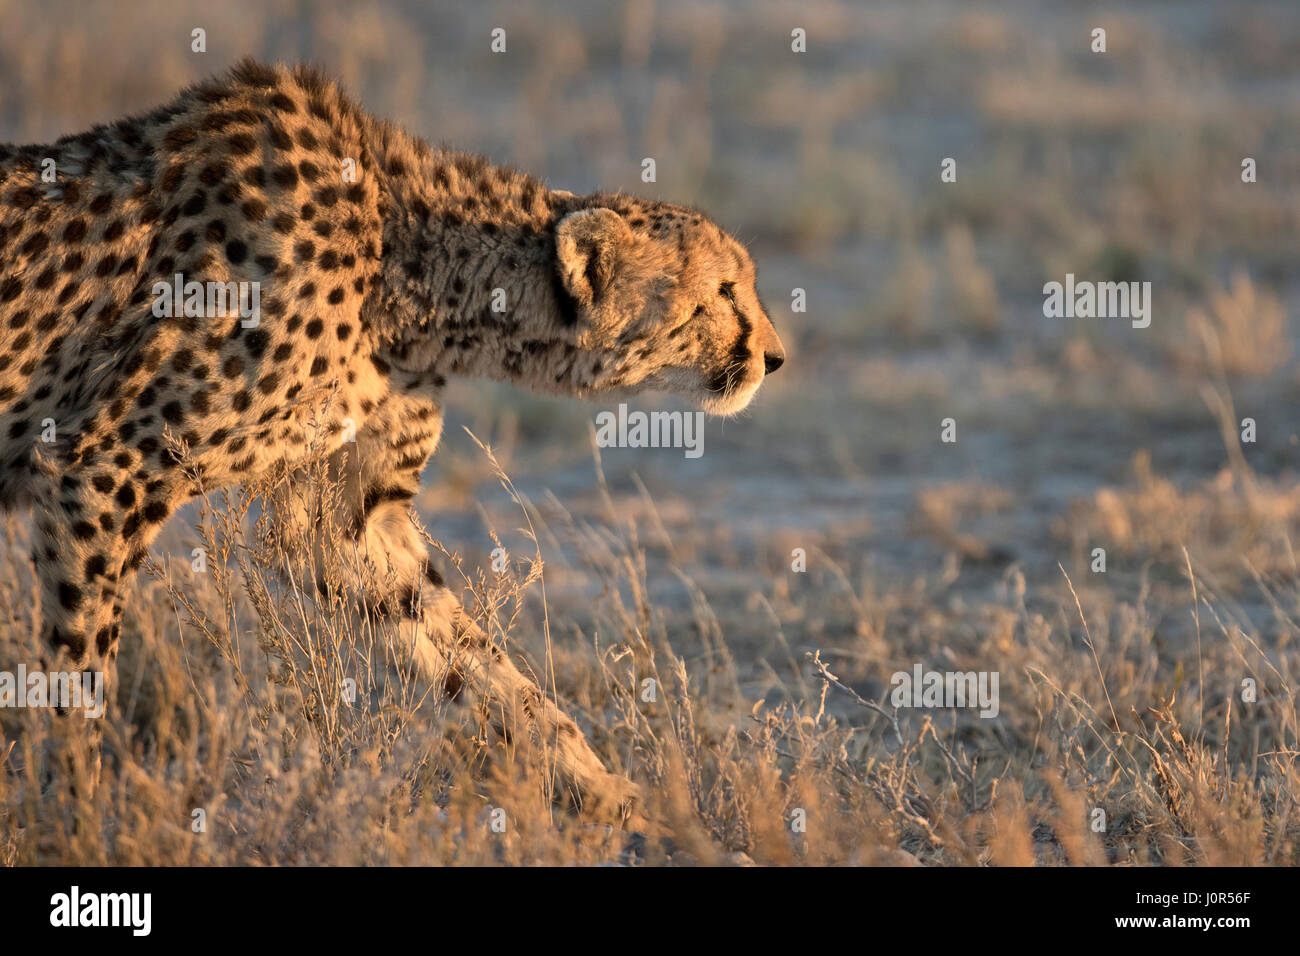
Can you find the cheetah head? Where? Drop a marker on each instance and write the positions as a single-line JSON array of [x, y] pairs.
[[666, 299]]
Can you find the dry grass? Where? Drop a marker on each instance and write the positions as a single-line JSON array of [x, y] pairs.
[[1242, 331], [245, 718]]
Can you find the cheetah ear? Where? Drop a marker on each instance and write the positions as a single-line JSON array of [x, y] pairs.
[[588, 246]]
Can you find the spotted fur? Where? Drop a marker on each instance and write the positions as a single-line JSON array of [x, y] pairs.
[[373, 293]]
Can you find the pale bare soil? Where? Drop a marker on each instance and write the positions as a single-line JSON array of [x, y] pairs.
[[1120, 692]]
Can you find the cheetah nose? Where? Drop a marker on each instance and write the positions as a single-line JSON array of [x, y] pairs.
[[773, 361]]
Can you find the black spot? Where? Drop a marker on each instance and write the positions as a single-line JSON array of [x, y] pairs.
[[279, 138], [24, 198], [179, 136], [75, 643], [213, 173], [374, 497], [69, 596], [35, 245], [285, 176], [256, 342], [452, 684]]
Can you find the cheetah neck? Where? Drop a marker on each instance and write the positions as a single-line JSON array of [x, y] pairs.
[[469, 283]]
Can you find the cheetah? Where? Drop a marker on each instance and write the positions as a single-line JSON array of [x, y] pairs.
[[378, 261]]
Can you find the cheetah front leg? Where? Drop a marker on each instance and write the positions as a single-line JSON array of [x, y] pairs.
[[471, 668], [388, 570]]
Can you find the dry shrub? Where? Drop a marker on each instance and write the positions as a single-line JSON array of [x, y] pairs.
[[909, 298], [1242, 331], [972, 289], [1244, 522]]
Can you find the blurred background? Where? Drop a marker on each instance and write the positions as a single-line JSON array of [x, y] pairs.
[[924, 298]]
